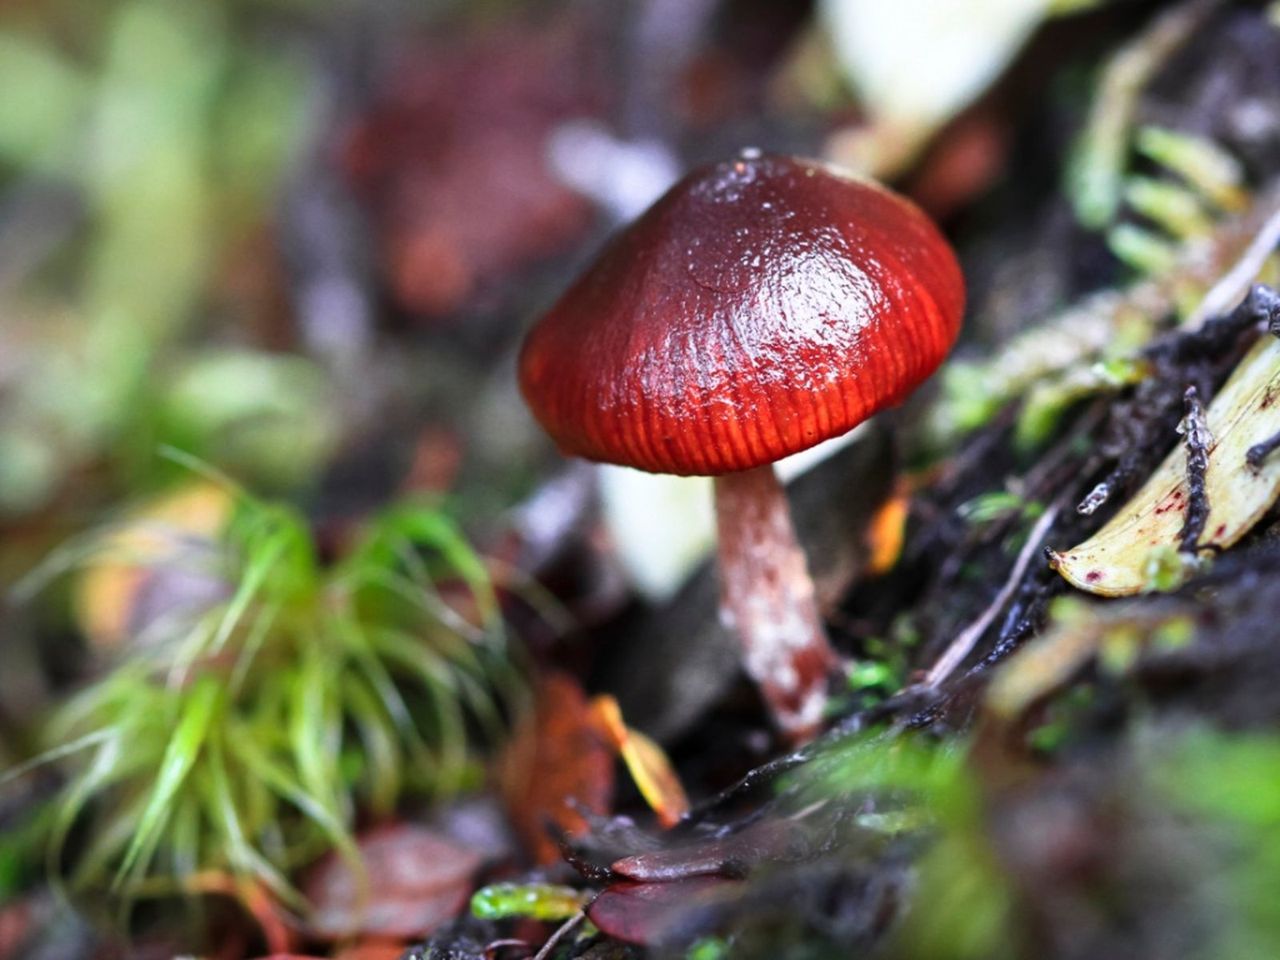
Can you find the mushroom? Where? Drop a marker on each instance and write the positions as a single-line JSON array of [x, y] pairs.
[[763, 305]]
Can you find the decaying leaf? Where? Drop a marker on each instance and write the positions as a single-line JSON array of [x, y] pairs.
[[161, 537], [646, 913], [1117, 560], [646, 762], [557, 765], [770, 840], [414, 880]]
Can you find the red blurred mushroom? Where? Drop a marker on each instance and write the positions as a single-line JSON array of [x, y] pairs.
[[450, 158], [763, 305]]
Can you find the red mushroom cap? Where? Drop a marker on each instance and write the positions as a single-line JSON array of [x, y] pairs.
[[763, 305]]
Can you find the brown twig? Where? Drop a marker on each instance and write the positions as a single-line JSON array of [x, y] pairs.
[[1260, 451], [1247, 266], [964, 642], [1196, 436], [561, 932]]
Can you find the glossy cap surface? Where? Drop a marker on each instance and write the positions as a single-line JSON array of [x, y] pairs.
[[763, 305]]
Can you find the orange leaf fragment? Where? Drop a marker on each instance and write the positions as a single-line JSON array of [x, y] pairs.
[[162, 532], [886, 532], [556, 765], [646, 761], [279, 935]]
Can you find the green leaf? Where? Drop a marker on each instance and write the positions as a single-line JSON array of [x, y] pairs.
[[279, 781], [199, 709], [226, 813], [98, 773], [313, 733], [377, 733]]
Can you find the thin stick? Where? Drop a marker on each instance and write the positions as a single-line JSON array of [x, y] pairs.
[[964, 642], [1228, 290], [1259, 452], [561, 932]]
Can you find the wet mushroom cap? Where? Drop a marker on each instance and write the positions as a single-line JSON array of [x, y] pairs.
[[761, 306]]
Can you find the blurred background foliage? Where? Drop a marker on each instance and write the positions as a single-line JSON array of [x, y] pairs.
[[143, 146], [147, 154]]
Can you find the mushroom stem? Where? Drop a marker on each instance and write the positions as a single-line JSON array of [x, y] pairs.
[[767, 597]]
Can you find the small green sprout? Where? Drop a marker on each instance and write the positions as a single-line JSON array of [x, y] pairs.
[[1166, 568], [882, 671], [535, 901], [708, 948], [1209, 169], [871, 673], [1143, 251], [1173, 208], [989, 507]]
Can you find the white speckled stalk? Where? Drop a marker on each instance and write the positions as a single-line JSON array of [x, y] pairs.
[[767, 598]]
